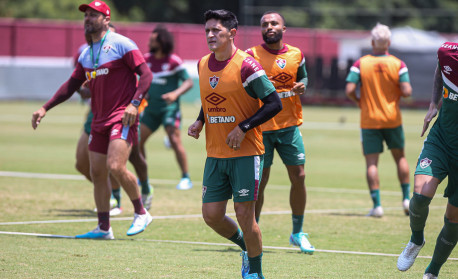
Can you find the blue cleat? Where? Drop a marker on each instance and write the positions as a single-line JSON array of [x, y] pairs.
[[185, 184], [97, 233], [301, 240], [253, 276], [141, 221], [245, 264]]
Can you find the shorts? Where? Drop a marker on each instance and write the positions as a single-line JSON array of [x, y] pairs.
[[99, 141], [436, 161], [372, 139], [167, 116], [289, 145], [227, 177], [87, 124]]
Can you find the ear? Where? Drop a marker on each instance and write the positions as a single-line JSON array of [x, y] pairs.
[[233, 33], [107, 19]]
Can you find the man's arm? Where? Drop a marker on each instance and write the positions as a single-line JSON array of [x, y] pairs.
[[195, 128], [406, 89], [350, 91], [183, 88], [63, 93], [435, 99], [300, 85]]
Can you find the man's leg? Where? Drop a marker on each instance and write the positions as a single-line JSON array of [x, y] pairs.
[[245, 212], [82, 156], [403, 175], [138, 159], [446, 240], [262, 187], [118, 153], [180, 153], [373, 183]]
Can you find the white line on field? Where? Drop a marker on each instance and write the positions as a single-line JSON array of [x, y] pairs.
[[222, 244], [173, 182], [193, 216]]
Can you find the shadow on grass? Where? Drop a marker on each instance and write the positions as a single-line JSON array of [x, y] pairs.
[[73, 212]]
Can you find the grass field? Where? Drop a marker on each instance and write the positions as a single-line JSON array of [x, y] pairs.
[[178, 244]]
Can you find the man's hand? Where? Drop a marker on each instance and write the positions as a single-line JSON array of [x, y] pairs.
[[298, 88], [37, 116], [130, 115], [432, 112], [169, 97], [195, 129], [235, 137]]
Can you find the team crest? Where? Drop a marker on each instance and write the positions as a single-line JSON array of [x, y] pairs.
[[281, 63], [204, 191], [107, 48], [165, 66], [424, 163], [214, 81]]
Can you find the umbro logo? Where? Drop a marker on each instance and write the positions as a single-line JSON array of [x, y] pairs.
[[114, 132], [243, 192]]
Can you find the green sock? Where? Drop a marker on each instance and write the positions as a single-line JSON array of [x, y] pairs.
[[257, 219], [405, 191], [145, 187], [117, 195], [237, 238], [185, 175], [298, 220], [375, 195], [256, 265], [445, 243], [418, 214]]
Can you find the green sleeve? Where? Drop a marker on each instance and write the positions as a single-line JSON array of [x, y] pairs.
[[404, 77], [259, 87], [353, 77], [182, 74], [302, 75]]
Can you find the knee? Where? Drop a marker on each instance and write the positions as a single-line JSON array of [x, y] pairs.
[[115, 168], [212, 218], [244, 214]]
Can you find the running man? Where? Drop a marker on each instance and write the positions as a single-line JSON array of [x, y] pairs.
[[163, 98], [384, 80], [281, 60], [438, 159], [231, 84], [109, 65]]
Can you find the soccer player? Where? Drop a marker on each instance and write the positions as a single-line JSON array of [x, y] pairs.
[[231, 84], [163, 98], [285, 67], [438, 159], [384, 80], [109, 65]]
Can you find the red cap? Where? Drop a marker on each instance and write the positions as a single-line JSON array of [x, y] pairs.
[[97, 5]]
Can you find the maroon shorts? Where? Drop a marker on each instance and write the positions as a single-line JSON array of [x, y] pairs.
[[99, 140]]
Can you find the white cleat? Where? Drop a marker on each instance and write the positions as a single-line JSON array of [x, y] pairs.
[[408, 256], [115, 211], [185, 184], [405, 206], [376, 212], [429, 276], [141, 221]]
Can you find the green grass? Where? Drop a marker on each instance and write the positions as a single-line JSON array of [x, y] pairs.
[[335, 181]]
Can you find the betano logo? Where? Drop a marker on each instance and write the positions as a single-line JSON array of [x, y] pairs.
[[98, 72]]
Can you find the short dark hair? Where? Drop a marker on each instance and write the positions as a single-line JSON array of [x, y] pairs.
[[274, 12], [164, 39], [227, 18]]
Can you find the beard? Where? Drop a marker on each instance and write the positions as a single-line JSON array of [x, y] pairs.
[[274, 39], [153, 49]]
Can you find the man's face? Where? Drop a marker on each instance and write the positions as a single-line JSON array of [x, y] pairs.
[[272, 28], [153, 45], [218, 36], [94, 21]]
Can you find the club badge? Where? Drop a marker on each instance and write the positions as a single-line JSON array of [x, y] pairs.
[[214, 81], [424, 163], [281, 63]]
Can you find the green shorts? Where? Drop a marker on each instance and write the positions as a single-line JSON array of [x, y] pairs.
[[238, 177], [436, 161], [167, 116], [289, 145], [372, 139], [87, 124]]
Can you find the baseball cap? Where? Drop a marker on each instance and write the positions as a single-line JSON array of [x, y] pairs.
[[97, 5]]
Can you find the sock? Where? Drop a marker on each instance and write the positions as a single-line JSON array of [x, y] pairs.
[[256, 265], [445, 243], [405, 191], [257, 219], [145, 187], [375, 195], [117, 195], [138, 206], [185, 175], [418, 214], [104, 220], [237, 238], [298, 220]]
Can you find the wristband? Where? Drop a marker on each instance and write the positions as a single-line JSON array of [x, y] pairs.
[[136, 103]]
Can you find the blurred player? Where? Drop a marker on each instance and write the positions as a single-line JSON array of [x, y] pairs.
[[282, 132], [231, 84], [384, 80], [438, 159], [163, 98], [109, 65]]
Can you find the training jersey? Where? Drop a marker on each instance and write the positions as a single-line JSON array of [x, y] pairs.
[[380, 77], [229, 92], [446, 125], [283, 67], [167, 74], [115, 84]]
